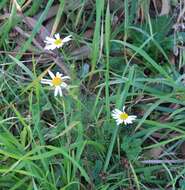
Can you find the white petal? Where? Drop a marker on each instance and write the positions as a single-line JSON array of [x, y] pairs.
[[50, 47], [115, 115], [60, 91], [133, 116], [125, 122], [116, 111], [51, 74], [57, 36], [65, 77], [46, 81], [49, 40], [66, 39], [119, 121], [59, 74], [129, 120], [123, 108], [56, 91]]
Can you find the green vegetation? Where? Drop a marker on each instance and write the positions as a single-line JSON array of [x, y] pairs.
[[122, 52]]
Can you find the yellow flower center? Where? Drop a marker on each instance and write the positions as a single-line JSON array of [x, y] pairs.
[[58, 42], [123, 116], [57, 81]]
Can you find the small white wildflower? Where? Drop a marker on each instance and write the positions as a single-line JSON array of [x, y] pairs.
[[122, 116], [56, 42], [56, 81]]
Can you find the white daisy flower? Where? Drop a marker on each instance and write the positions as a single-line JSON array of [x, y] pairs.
[[56, 42], [56, 81], [122, 116]]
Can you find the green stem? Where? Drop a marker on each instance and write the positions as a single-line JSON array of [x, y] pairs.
[[113, 139]]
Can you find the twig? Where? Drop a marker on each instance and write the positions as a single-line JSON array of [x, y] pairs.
[[179, 161], [26, 35]]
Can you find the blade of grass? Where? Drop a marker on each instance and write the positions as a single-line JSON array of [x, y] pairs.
[[107, 47], [6, 27], [58, 16], [96, 36], [135, 176], [22, 66]]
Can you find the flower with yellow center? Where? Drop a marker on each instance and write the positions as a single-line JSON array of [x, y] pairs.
[[122, 117], [56, 42], [56, 81]]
